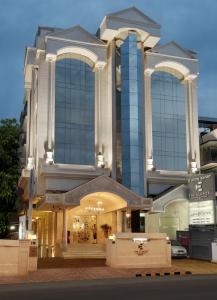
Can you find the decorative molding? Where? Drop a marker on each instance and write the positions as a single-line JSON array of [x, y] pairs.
[[191, 77], [100, 65], [148, 71], [79, 50], [51, 57], [173, 65]]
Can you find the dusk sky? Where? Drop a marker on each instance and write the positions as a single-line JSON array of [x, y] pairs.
[[191, 23]]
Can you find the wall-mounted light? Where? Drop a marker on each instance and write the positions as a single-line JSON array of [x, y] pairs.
[[150, 165], [100, 160], [128, 215], [49, 157], [194, 167]]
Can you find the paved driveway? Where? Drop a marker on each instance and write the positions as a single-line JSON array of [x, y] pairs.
[[65, 270]]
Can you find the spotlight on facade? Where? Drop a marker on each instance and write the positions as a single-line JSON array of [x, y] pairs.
[[194, 167], [127, 215], [12, 227], [100, 160], [49, 158], [150, 165]]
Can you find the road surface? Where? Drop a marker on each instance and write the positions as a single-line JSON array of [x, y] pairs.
[[168, 288]]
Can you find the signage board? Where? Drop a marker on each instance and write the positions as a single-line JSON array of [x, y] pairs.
[[201, 213], [201, 187], [202, 199]]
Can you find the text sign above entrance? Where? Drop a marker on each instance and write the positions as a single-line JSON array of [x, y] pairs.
[[201, 187]]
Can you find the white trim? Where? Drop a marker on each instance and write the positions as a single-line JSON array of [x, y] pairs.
[[78, 50], [74, 41], [173, 65], [171, 56]]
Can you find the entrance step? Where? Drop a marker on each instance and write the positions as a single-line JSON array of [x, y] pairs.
[[85, 251]]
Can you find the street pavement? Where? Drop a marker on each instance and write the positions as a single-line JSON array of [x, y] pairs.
[[165, 288]]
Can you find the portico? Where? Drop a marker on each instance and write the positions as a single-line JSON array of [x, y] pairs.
[[87, 214]]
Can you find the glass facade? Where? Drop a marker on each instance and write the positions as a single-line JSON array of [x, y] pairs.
[[132, 114], [169, 122], [74, 112]]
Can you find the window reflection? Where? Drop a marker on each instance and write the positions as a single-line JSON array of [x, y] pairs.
[[169, 123], [74, 112]]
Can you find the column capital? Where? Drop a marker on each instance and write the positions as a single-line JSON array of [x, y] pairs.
[[148, 72], [51, 57], [190, 77], [100, 65]]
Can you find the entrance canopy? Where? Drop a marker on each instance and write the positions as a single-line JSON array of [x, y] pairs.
[[102, 187], [105, 184]]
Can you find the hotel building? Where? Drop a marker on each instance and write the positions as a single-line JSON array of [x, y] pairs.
[[109, 133]]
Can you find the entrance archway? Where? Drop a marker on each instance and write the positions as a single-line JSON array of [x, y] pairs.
[[95, 218]]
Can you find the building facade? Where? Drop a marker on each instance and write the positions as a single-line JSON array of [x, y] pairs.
[[109, 127]]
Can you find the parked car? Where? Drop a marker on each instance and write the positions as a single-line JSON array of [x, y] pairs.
[[177, 250]]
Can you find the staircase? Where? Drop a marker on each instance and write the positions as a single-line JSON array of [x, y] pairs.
[[85, 251]]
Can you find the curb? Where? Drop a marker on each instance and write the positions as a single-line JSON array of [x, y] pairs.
[[161, 274]]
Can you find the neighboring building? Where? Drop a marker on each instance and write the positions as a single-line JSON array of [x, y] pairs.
[[207, 124], [208, 146], [109, 122]]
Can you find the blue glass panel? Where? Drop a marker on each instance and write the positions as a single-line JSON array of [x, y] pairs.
[[132, 122], [169, 123], [74, 113]]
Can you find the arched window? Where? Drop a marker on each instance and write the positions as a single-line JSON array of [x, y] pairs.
[[169, 122], [74, 112]]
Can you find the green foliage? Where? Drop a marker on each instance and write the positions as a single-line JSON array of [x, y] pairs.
[[3, 224], [9, 169]]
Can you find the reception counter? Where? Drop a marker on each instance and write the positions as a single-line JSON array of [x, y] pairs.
[[138, 250]]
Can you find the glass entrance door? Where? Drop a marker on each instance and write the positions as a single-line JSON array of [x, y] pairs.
[[84, 229]]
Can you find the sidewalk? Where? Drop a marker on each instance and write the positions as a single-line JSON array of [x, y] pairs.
[[78, 272]]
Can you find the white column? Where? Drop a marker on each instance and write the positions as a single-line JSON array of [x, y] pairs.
[[119, 221], [148, 120], [50, 124], [30, 215], [99, 69], [193, 139], [55, 228], [112, 125], [28, 100], [64, 231]]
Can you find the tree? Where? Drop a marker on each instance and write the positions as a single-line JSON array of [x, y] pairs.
[[9, 170]]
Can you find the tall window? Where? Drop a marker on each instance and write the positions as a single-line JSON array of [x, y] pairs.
[[169, 122], [74, 112]]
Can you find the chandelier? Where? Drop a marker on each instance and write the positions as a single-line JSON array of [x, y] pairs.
[[95, 209]]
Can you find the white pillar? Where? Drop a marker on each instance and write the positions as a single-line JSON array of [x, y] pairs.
[[64, 231], [55, 228], [111, 94], [50, 124], [30, 215], [99, 69], [148, 120], [192, 117], [28, 100], [119, 221]]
